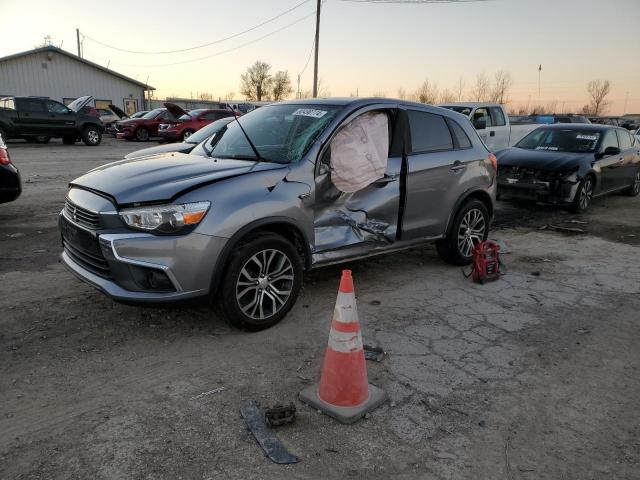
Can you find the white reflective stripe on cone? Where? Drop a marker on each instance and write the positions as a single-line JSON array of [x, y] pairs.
[[345, 311], [345, 342]]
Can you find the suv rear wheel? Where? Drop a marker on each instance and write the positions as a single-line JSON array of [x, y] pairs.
[[470, 227], [187, 134], [91, 136], [262, 282], [634, 188]]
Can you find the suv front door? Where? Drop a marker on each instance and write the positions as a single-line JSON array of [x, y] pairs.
[[62, 121], [352, 224]]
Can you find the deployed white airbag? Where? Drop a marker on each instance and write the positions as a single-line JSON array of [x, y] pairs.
[[359, 152]]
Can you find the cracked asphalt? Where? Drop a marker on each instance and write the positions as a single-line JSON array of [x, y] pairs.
[[535, 376]]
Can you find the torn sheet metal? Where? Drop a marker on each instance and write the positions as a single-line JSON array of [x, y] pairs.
[[359, 152], [254, 416]]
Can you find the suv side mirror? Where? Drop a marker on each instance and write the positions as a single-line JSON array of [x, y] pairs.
[[609, 151], [480, 124]]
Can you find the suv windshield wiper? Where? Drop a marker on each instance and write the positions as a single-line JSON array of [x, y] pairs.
[[253, 147]]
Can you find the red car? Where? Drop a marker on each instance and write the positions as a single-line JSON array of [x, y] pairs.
[[142, 128], [189, 122]]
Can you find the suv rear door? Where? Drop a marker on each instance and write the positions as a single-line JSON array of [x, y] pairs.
[[439, 165]]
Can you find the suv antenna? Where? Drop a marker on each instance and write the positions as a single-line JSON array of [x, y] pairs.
[[253, 147]]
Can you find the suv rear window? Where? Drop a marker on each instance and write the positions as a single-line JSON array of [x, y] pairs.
[[429, 132], [27, 105]]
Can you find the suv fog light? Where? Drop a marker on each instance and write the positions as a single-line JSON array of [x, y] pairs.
[[151, 279]]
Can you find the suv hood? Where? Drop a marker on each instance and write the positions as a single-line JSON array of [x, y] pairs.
[[80, 102], [163, 177], [175, 110]]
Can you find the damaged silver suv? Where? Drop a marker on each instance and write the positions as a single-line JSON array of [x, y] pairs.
[[286, 188]]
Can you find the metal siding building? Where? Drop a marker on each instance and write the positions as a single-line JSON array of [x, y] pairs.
[[57, 74]]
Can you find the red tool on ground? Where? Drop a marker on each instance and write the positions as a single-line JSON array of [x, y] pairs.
[[486, 262]]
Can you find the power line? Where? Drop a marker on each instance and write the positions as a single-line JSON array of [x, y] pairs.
[[202, 45], [223, 51]]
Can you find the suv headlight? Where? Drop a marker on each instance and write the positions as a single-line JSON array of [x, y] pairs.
[[165, 218]]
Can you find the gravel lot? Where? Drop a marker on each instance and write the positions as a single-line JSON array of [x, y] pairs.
[[536, 376]]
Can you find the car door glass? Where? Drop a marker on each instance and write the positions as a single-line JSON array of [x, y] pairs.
[[610, 140], [462, 139], [31, 106], [429, 132], [482, 114], [55, 107], [625, 140], [497, 117]]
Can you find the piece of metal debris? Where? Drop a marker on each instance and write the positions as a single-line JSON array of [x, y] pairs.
[[504, 248], [210, 392], [280, 414], [559, 228], [375, 354], [580, 222], [254, 416]]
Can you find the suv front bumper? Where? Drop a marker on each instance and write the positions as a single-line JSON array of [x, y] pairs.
[[142, 267]]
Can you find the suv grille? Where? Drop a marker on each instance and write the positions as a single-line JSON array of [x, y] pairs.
[[81, 216], [92, 262]]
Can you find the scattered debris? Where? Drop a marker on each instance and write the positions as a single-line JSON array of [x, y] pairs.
[[16, 235], [582, 331], [535, 274], [254, 416], [559, 228], [280, 414], [482, 423], [375, 354], [580, 222], [210, 392]]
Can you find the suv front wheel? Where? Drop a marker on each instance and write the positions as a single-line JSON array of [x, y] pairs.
[[262, 282], [91, 136], [470, 227]]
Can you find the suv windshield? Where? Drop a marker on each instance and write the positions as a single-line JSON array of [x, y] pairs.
[[153, 113], [561, 140], [280, 133]]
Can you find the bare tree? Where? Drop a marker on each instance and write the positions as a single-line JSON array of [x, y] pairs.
[[379, 93], [598, 91], [402, 94], [323, 90], [255, 83], [229, 96], [460, 89], [427, 93], [205, 96], [501, 86], [281, 85], [446, 96], [481, 90]]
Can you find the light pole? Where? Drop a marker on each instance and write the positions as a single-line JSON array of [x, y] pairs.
[[315, 59]]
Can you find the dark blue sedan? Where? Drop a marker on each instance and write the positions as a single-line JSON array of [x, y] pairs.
[[570, 164]]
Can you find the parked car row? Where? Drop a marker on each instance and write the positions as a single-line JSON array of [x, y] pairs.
[[623, 122]]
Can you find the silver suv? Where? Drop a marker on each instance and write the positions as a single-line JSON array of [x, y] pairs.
[[254, 206]]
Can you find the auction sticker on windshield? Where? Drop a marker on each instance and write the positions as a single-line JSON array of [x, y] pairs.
[[587, 137], [310, 112]]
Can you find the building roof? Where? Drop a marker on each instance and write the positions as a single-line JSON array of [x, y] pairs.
[[78, 59]]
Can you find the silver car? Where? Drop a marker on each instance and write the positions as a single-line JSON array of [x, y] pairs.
[[246, 216]]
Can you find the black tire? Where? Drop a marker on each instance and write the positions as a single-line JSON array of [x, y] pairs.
[[186, 134], [142, 134], [253, 306], [42, 139], [584, 195], [634, 189], [91, 136], [456, 248], [69, 140]]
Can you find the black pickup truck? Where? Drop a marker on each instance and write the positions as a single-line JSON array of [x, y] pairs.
[[39, 119]]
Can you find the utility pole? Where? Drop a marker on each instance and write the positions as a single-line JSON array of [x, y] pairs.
[[539, 75], [315, 60], [78, 40], [298, 91]]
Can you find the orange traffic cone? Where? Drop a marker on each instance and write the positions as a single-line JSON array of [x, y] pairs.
[[344, 392]]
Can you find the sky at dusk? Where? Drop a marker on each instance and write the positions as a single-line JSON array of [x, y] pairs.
[[364, 47]]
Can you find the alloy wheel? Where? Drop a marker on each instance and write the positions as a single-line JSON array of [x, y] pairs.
[[186, 134], [265, 284], [92, 135], [471, 231], [142, 134], [586, 193]]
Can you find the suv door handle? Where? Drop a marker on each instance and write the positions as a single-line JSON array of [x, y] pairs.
[[457, 166]]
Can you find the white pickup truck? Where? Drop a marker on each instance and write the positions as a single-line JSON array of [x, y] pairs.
[[492, 123]]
